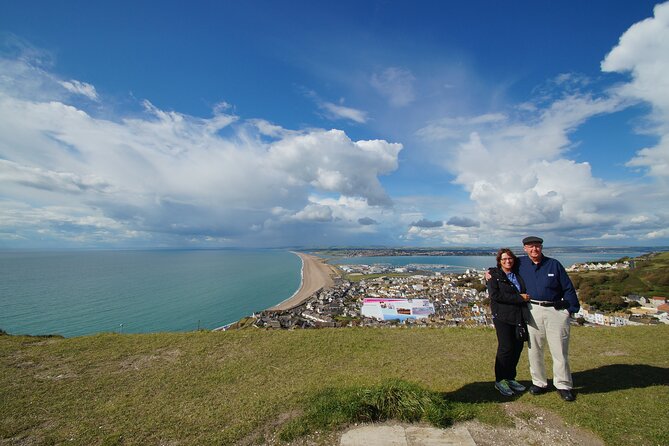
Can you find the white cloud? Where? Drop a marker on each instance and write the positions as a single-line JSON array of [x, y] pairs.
[[63, 223], [643, 51], [166, 175], [395, 84], [445, 235], [81, 88], [339, 111], [454, 128], [608, 236], [330, 161], [659, 234], [342, 112], [314, 212]]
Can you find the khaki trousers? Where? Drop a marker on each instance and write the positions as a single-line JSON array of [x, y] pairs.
[[550, 325]]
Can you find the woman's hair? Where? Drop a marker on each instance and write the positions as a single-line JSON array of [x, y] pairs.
[[506, 251]]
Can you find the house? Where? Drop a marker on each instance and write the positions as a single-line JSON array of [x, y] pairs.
[[656, 301], [619, 321], [664, 318], [643, 311]]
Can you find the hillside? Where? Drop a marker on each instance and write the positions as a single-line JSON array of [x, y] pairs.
[[603, 290], [242, 387]]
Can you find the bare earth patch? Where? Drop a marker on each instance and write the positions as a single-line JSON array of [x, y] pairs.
[[139, 362], [41, 371], [533, 426], [614, 353]]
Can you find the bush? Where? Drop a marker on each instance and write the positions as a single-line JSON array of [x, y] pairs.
[[576, 280], [621, 275], [659, 278], [395, 399]]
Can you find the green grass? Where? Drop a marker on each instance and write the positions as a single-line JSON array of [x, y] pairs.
[[244, 386]]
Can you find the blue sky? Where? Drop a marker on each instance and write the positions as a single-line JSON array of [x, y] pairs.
[[310, 123]]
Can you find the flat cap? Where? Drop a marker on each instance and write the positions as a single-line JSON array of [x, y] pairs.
[[532, 239]]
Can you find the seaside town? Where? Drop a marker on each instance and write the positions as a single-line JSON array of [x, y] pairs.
[[385, 296]]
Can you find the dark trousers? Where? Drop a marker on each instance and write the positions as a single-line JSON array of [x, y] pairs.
[[508, 351]]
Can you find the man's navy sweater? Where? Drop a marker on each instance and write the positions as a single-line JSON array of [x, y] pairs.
[[548, 281]]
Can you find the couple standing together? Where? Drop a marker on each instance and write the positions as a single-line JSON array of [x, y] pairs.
[[532, 299]]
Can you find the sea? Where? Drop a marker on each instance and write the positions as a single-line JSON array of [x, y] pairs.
[[459, 264], [75, 293]]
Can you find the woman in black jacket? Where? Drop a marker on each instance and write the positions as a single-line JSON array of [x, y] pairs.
[[507, 302]]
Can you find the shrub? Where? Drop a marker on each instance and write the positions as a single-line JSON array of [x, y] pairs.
[[395, 399]]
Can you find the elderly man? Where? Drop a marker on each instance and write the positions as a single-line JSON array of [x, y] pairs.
[[552, 302]]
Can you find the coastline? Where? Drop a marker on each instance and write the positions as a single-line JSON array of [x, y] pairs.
[[316, 274]]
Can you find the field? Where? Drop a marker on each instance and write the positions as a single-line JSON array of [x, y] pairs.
[[244, 387]]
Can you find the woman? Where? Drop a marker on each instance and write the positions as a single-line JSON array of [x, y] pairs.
[[507, 302]]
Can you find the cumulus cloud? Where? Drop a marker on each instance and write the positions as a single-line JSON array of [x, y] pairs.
[[315, 212], [395, 84], [515, 173], [463, 222], [659, 234], [330, 161], [425, 223], [444, 235], [643, 51], [162, 175], [352, 212]]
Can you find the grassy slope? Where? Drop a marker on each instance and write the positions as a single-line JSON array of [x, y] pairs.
[[205, 388], [650, 277]]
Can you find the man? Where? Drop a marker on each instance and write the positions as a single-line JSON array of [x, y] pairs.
[[552, 302]]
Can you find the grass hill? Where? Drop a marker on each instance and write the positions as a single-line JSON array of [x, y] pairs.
[[244, 387]]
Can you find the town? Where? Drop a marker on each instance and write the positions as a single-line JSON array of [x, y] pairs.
[[456, 299]]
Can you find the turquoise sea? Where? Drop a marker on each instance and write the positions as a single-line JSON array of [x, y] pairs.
[[76, 293], [82, 292]]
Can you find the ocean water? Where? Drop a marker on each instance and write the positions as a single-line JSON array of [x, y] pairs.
[[76, 293], [458, 264]]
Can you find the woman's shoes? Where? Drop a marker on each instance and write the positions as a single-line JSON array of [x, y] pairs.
[[503, 387], [516, 386], [508, 387]]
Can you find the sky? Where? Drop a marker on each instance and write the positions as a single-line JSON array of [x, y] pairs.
[[316, 123]]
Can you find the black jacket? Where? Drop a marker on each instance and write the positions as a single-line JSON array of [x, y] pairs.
[[506, 303]]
